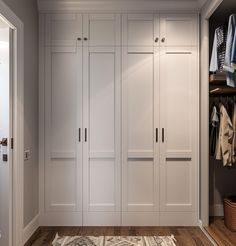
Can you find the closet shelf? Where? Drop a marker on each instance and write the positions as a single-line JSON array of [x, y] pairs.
[[218, 79], [218, 85], [223, 90]]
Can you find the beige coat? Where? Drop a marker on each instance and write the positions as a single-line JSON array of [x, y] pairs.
[[234, 137], [226, 135]]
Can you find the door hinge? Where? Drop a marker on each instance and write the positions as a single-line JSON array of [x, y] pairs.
[[12, 143]]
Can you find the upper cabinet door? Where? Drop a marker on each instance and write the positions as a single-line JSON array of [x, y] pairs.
[[64, 30], [101, 30], [178, 30], [140, 30]]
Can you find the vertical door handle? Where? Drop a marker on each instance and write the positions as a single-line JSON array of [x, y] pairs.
[[156, 135], [163, 40], [85, 135], [163, 135], [79, 134], [156, 40]]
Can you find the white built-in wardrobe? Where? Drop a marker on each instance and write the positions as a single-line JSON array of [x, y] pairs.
[[120, 119]]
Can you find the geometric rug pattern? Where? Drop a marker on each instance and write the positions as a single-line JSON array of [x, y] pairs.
[[114, 241]]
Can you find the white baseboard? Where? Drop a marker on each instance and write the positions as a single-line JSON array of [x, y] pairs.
[[30, 228], [217, 210]]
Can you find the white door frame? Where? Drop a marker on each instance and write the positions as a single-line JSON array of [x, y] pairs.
[[206, 12], [17, 100]]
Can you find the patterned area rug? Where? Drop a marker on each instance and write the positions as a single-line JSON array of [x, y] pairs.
[[114, 241]]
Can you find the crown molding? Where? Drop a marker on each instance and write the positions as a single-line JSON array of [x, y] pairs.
[[118, 5]]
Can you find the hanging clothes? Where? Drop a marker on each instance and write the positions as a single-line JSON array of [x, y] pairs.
[[219, 49], [214, 131], [234, 137], [225, 141], [230, 54]]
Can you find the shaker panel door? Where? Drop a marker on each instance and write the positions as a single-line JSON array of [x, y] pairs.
[[63, 117], [179, 130], [64, 29]]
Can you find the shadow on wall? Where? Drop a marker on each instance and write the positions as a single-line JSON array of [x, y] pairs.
[[223, 181]]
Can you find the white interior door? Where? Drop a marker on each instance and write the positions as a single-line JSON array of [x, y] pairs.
[[64, 29], [178, 120], [140, 152], [101, 30], [63, 171], [178, 30], [101, 149], [5, 136]]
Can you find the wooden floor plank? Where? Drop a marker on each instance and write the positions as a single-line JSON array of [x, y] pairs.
[[220, 233]]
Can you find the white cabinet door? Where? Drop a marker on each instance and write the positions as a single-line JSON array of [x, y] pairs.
[[140, 153], [178, 30], [140, 30], [101, 30], [179, 133], [64, 29], [63, 119], [101, 149]]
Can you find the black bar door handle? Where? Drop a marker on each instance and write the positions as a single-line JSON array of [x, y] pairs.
[[79, 134], [163, 135], [156, 135], [85, 135]]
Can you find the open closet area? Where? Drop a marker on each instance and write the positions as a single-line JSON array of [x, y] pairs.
[[222, 124], [119, 100]]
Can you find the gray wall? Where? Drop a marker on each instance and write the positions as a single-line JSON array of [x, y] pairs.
[[26, 10]]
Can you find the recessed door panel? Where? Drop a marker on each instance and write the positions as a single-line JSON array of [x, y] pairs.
[[102, 30], [102, 184], [140, 102], [64, 29], [179, 182], [63, 102], [139, 29], [102, 102], [140, 184], [178, 30], [63, 184]]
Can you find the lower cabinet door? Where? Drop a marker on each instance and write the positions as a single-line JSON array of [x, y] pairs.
[[179, 128], [140, 170], [63, 149], [101, 148]]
